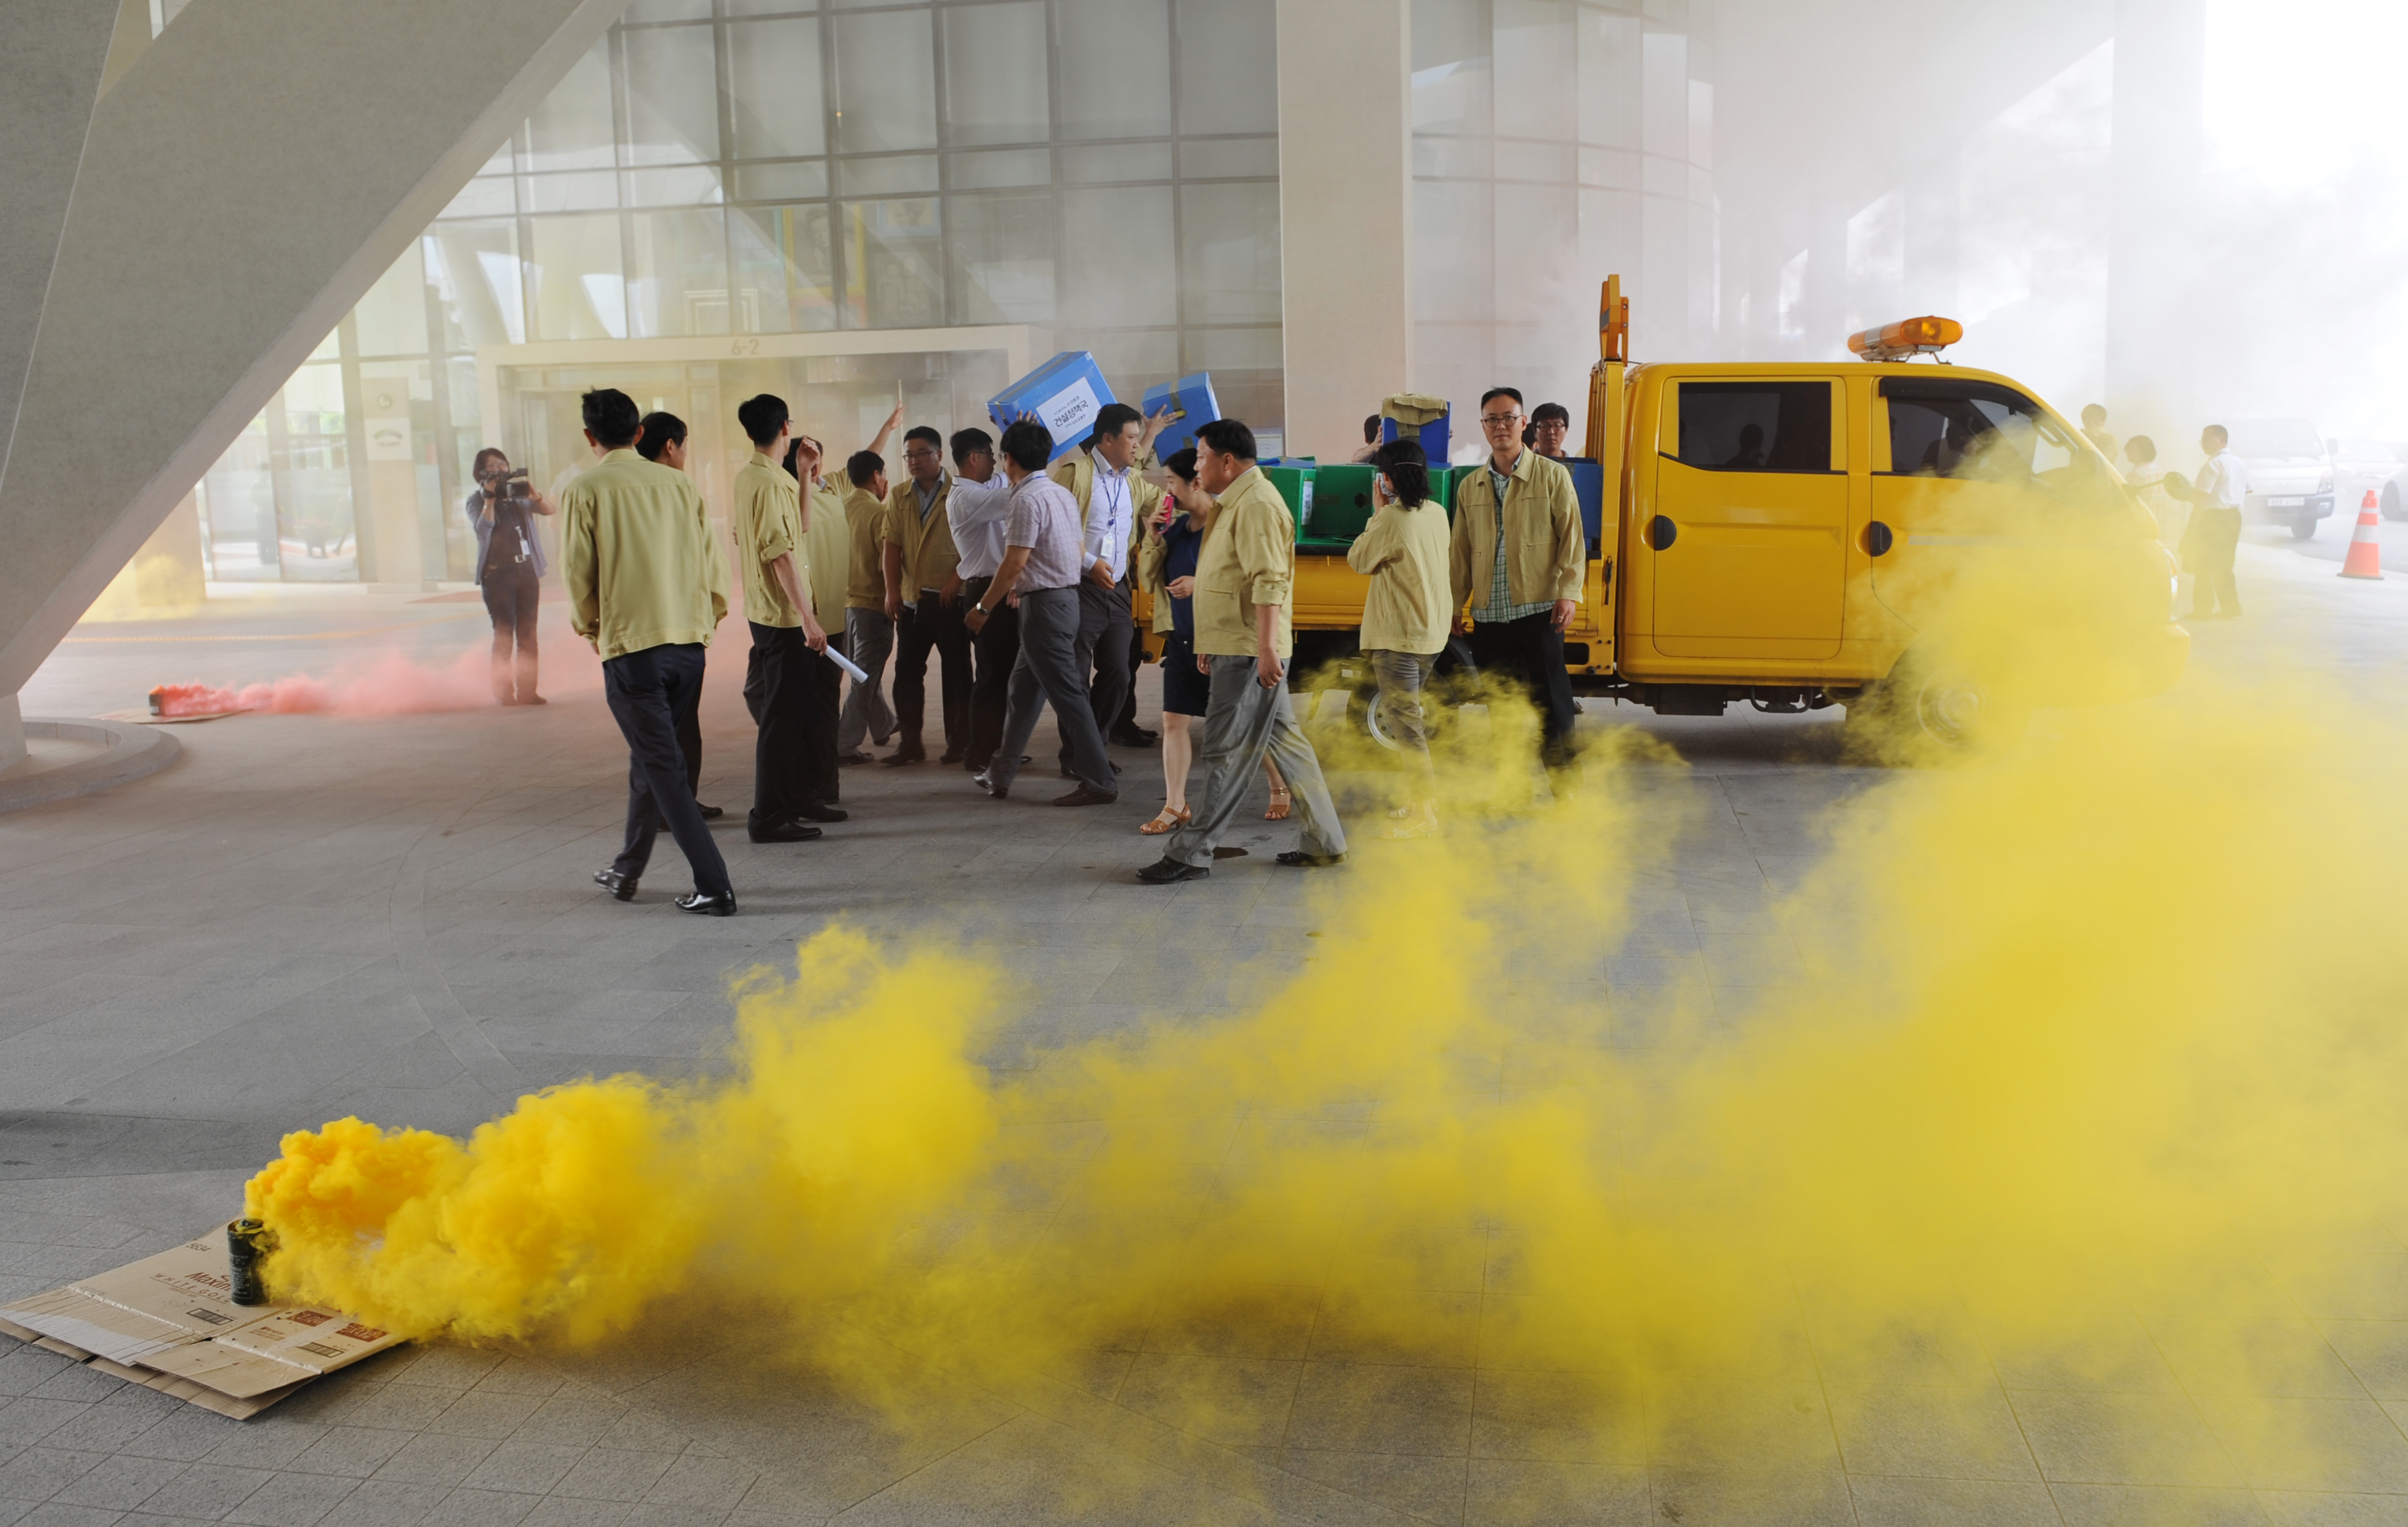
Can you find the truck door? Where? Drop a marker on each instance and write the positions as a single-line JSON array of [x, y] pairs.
[[1968, 479], [1747, 532]]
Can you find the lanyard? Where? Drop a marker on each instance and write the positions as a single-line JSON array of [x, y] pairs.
[[1114, 511]]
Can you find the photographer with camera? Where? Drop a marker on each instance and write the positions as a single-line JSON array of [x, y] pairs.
[[509, 570]]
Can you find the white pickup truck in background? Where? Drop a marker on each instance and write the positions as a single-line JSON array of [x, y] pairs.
[[2290, 474]]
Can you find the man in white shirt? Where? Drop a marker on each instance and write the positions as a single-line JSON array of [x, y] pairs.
[[978, 508], [2213, 534], [1113, 500]]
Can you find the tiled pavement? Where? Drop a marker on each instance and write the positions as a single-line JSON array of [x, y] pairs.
[[313, 916]]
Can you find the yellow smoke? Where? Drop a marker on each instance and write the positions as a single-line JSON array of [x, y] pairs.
[[2104, 1029]]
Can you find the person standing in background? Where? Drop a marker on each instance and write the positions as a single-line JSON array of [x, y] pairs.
[[510, 570], [2213, 538], [924, 597], [2149, 480], [786, 637], [1370, 439], [1244, 583], [2094, 428], [663, 441], [1549, 424], [978, 506], [647, 586], [868, 635], [1112, 500], [1517, 556], [1043, 561], [1407, 617], [827, 550]]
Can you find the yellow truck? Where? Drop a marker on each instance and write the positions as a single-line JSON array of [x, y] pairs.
[[1913, 539]]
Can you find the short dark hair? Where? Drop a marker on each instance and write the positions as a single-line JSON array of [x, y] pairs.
[[1230, 436], [2220, 432], [1111, 419], [862, 465], [2089, 409], [967, 440], [923, 432], [490, 453], [2141, 447], [661, 430], [1180, 464], [1555, 411], [1401, 462], [612, 416], [1028, 444], [1495, 392], [762, 415], [1371, 430]]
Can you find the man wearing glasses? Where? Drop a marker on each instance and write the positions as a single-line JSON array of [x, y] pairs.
[[1518, 554]]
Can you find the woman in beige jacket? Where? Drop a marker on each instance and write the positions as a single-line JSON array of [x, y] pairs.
[[1407, 615]]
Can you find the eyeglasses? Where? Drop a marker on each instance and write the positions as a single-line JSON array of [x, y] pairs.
[[1493, 420]]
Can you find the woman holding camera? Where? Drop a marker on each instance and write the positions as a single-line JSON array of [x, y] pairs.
[[509, 570]]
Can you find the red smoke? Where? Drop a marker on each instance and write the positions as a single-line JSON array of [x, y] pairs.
[[392, 684]]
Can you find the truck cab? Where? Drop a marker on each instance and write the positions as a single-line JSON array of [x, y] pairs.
[[1927, 541]]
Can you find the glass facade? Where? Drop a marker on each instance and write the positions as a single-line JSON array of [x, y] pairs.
[[714, 170]]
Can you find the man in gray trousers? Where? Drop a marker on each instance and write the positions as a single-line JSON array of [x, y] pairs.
[[1043, 560], [1244, 580]]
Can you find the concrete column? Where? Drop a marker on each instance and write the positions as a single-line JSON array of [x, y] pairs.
[[1346, 215], [243, 184], [2159, 260]]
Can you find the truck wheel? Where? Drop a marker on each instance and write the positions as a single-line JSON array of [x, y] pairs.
[[1927, 712], [2304, 528]]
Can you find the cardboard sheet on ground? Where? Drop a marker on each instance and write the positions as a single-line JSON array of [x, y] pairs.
[[170, 1321]]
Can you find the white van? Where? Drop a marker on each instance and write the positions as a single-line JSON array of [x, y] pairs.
[[2290, 474]]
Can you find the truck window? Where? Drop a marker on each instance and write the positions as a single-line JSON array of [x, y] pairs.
[[1940, 427], [1755, 427]]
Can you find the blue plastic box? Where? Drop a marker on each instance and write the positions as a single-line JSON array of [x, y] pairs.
[[1065, 393], [1192, 400], [1434, 435], [1588, 482]]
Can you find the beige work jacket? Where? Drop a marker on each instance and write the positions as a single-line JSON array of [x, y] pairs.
[[637, 556], [1546, 552], [1248, 561]]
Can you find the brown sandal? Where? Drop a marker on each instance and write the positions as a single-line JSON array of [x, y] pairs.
[[1167, 821], [1281, 802]]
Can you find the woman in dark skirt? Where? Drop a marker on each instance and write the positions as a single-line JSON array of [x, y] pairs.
[[1167, 565]]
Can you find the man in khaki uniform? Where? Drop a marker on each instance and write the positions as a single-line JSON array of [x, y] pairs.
[[1113, 502], [1520, 569], [1244, 577], [647, 586], [787, 642], [827, 552], [923, 599], [868, 634]]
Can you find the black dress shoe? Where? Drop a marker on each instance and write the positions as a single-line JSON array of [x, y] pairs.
[[951, 755], [1296, 859], [816, 812], [622, 887], [905, 755], [784, 832], [1136, 737], [1170, 872], [709, 906], [711, 812], [1084, 796]]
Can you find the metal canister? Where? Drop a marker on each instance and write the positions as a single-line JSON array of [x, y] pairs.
[[248, 1243]]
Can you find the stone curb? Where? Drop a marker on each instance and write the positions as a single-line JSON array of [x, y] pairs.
[[135, 752]]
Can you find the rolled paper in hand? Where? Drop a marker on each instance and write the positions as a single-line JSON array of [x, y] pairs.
[[860, 675]]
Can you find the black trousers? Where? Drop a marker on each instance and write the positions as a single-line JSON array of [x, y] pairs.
[[649, 692], [998, 645], [511, 590], [932, 624], [1106, 634], [794, 754], [2209, 544], [1528, 655], [820, 772], [1125, 721]]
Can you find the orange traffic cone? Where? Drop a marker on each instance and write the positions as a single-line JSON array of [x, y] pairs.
[[2365, 559]]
